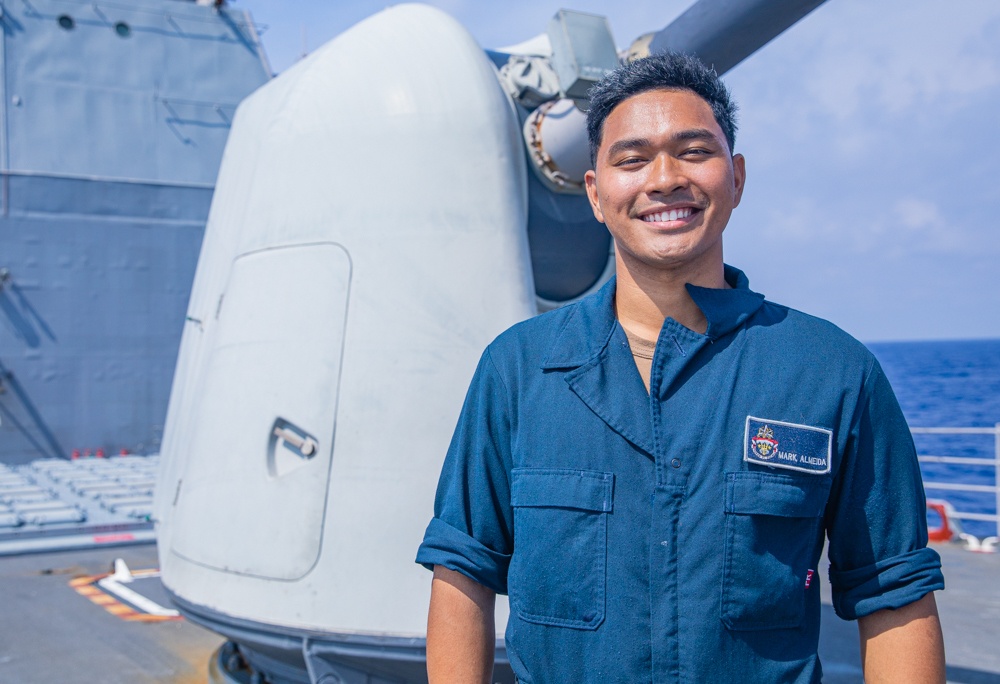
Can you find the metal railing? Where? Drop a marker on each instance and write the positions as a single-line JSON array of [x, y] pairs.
[[993, 463]]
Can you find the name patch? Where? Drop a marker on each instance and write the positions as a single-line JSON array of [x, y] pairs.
[[787, 445]]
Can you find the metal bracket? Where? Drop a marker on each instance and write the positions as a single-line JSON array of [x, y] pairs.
[[320, 671]]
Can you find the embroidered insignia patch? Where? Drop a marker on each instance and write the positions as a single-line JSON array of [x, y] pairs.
[[787, 445]]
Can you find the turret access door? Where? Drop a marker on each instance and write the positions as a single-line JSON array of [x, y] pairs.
[[254, 495]]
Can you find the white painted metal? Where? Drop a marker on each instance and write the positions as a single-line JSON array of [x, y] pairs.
[[366, 241], [275, 363], [556, 134], [115, 584]]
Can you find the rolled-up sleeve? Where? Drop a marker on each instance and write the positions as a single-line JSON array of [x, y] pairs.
[[876, 518], [471, 531]]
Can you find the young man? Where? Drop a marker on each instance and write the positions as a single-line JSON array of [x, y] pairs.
[[651, 472]]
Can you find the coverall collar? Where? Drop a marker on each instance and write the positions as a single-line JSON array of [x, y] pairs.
[[589, 328], [593, 350], [724, 309]]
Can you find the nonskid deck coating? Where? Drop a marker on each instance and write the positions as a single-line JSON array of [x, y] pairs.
[[52, 633]]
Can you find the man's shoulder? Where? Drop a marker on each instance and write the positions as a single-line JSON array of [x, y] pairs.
[[532, 338], [788, 329]]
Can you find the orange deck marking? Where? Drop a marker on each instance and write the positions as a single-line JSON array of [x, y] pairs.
[[87, 587]]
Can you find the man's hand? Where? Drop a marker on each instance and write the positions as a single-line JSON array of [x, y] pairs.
[[461, 636], [903, 645]]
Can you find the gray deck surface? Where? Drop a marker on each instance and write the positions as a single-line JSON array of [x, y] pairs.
[[50, 633], [970, 617]]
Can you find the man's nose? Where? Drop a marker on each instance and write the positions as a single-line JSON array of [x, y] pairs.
[[666, 175]]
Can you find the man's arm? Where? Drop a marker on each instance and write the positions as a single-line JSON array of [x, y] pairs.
[[903, 645], [461, 636]]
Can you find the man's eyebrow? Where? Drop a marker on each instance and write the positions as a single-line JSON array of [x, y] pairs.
[[638, 143], [696, 134], [628, 144]]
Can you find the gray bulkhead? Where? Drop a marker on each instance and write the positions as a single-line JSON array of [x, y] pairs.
[[113, 119]]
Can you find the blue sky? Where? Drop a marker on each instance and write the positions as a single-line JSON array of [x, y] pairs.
[[870, 136]]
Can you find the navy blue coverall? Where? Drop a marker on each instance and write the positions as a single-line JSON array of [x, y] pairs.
[[674, 536]]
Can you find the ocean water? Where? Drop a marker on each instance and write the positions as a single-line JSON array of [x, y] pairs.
[[950, 384]]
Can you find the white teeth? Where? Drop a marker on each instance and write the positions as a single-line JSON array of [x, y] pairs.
[[672, 215]]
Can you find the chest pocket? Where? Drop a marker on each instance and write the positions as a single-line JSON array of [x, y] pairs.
[[558, 570], [772, 539]]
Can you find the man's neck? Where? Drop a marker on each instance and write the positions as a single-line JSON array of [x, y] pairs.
[[644, 298]]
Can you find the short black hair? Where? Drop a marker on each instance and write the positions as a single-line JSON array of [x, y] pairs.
[[669, 71]]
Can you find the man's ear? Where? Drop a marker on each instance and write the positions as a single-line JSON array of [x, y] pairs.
[[590, 179], [739, 177]]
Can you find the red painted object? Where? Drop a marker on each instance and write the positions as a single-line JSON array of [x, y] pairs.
[[944, 532]]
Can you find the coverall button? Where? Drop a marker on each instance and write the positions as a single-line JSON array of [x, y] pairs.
[[589, 617], [676, 462]]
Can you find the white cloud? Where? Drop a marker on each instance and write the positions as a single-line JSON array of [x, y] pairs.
[[895, 58], [928, 230], [918, 214], [867, 230]]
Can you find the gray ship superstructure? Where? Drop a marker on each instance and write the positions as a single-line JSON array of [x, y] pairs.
[[113, 120]]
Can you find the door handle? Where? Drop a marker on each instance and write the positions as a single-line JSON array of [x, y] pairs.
[[306, 445]]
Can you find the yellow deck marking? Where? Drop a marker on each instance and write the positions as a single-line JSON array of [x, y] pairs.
[[87, 587]]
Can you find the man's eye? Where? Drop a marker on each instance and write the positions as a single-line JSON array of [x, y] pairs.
[[697, 152], [629, 161]]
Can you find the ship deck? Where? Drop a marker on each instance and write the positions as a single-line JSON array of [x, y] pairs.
[[52, 632]]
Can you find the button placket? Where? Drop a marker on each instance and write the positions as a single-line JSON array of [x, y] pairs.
[[676, 347]]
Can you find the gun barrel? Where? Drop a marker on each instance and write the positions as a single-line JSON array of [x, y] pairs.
[[722, 33]]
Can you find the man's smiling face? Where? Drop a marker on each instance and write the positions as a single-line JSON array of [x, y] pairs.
[[665, 182]]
